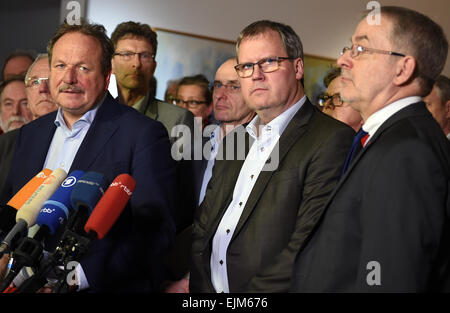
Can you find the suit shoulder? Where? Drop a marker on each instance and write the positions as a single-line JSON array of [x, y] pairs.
[[325, 126], [180, 113]]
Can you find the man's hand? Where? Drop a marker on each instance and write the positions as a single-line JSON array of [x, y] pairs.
[[3, 265]]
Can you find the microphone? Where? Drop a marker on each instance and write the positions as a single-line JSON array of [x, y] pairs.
[[8, 212], [55, 210], [85, 195], [110, 206], [86, 192], [53, 214], [27, 214], [103, 217]]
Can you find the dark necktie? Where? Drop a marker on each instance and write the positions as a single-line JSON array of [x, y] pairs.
[[357, 143]]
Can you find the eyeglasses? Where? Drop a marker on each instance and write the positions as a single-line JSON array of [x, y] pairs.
[[217, 85], [192, 104], [356, 50], [143, 56], [266, 65], [35, 82], [336, 101]]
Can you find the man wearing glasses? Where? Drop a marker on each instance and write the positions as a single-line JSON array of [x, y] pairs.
[[333, 105], [40, 102], [134, 64], [258, 211], [386, 226]]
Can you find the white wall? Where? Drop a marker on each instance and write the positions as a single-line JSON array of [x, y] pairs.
[[324, 26]]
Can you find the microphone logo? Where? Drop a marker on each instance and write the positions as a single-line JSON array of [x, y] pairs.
[[41, 175], [120, 185], [69, 181]]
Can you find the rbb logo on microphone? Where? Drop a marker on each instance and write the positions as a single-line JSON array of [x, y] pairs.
[[120, 185], [69, 182], [45, 210]]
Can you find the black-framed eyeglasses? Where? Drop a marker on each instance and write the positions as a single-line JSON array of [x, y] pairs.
[[325, 100], [356, 50], [143, 56], [230, 87], [192, 104], [266, 65], [35, 82]]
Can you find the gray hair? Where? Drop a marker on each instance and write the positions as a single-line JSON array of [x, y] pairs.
[[39, 57], [291, 41]]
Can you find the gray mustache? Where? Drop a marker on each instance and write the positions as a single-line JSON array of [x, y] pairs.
[[71, 88]]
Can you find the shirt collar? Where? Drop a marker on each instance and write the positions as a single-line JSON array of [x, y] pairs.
[[278, 124], [379, 117], [85, 120], [138, 105]]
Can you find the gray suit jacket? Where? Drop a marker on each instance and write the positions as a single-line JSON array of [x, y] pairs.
[[7, 142], [281, 210]]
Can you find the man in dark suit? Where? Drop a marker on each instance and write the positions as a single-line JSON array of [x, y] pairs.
[[134, 64], [40, 102], [92, 132], [257, 211], [386, 226]]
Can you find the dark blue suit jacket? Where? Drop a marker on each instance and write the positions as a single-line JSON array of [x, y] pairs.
[[120, 140]]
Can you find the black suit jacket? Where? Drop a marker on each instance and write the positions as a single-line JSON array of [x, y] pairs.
[[386, 226], [129, 257], [281, 210], [7, 142]]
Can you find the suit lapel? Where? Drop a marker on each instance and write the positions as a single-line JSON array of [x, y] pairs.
[[414, 109], [102, 129], [230, 172], [292, 133], [46, 128], [151, 109]]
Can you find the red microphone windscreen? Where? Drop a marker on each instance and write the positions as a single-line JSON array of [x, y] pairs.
[[111, 205], [26, 191]]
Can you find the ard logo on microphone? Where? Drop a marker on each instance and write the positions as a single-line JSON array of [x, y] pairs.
[[69, 182]]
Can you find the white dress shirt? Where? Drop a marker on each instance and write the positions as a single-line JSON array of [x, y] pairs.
[[379, 117], [266, 137], [62, 151], [215, 140]]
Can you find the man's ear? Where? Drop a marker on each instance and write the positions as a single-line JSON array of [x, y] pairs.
[[447, 109], [107, 78], [210, 108], [113, 66], [298, 66], [404, 70]]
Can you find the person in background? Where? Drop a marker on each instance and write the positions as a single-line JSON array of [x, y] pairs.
[[438, 103], [231, 111], [16, 63], [14, 109], [40, 102], [334, 106], [193, 94]]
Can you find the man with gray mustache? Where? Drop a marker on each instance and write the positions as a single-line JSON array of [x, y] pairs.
[[13, 104]]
